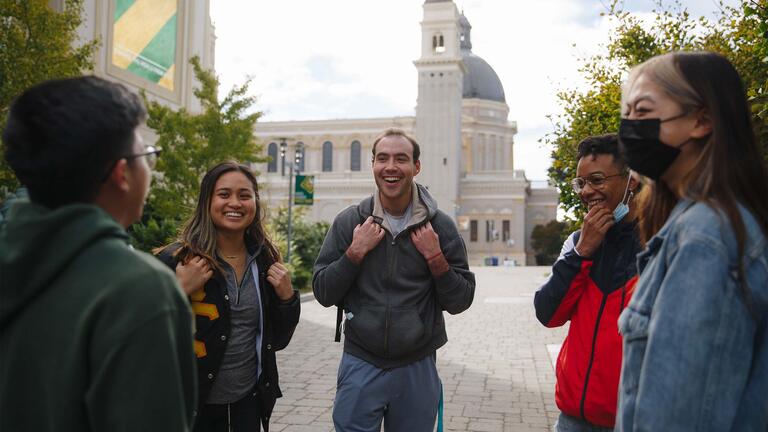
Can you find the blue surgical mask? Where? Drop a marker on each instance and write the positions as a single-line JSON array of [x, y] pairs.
[[622, 209]]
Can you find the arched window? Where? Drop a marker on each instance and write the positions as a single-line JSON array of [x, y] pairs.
[[438, 43], [303, 160], [327, 156], [354, 156], [272, 153]]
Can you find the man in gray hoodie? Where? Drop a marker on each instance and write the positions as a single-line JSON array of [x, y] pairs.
[[393, 293]]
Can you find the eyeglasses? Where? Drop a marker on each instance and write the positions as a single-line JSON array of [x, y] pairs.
[[597, 181], [151, 153]]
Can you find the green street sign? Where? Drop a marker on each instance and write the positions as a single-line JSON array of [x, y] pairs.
[[304, 191]]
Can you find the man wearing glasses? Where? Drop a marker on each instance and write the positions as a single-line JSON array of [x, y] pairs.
[[95, 336], [591, 283]]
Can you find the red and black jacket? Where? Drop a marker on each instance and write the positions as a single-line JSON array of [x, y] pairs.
[[591, 293]]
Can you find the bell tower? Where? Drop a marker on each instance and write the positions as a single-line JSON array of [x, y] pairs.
[[438, 110]]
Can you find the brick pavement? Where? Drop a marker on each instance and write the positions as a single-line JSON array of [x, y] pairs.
[[496, 370]]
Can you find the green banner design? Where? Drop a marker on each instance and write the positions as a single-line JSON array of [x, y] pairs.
[[121, 6], [155, 60], [304, 192], [145, 39]]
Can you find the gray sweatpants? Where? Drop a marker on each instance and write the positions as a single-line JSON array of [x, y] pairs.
[[406, 398]]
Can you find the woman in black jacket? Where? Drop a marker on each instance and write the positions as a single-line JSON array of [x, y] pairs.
[[245, 307]]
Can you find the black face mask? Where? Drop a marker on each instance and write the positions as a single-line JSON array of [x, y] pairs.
[[644, 151]]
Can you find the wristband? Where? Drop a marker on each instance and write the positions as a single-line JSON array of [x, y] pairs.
[[435, 256]]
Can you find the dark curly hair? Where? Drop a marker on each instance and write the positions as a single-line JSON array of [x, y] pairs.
[[62, 136], [602, 144]]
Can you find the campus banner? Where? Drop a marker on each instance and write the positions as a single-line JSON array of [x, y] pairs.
[[144, 39], [304, 192]]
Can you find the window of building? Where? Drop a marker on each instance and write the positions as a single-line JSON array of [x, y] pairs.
[[327, 156], [490, 231], [473, 230], [354, 156], [505, 230], [438, 43], [272, 153]]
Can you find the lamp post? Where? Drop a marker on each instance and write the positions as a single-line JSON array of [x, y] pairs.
[[295, 165]]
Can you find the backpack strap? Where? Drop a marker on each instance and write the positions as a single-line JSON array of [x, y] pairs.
[[339, 318], [340, 305]]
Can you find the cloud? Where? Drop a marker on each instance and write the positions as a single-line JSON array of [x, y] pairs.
[[354, 58]]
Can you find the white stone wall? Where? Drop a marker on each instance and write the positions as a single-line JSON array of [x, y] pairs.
[[488, 138], [196, 37], [439, 108]]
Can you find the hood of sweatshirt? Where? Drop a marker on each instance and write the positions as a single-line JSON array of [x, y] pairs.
[[423, 207], [37, 244]]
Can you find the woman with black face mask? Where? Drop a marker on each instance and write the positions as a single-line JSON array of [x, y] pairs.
[[695, 342]]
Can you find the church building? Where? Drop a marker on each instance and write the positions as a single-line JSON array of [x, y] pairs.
[[466, 149]]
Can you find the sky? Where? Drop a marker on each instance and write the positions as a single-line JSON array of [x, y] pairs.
[[332, 59]]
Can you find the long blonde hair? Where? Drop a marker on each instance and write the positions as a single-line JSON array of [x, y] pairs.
[[730, 169]]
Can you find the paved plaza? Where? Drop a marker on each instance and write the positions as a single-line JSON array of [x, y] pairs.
[[496, 368]]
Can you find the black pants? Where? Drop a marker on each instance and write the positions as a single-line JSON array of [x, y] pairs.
[[241, 416]]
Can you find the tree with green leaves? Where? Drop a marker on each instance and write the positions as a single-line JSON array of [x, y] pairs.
[[37, 44], [192, 143], [547, 240], [739, 33], [306, 241]]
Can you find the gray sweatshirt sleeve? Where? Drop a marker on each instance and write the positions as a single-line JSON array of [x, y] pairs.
[[456, 287], [334, 273]]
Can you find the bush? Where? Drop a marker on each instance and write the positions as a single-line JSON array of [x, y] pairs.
[[306, 241], [547, 240]]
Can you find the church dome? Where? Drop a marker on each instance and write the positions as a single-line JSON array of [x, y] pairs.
[[480, 80]]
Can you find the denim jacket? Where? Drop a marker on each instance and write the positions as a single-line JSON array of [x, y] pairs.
[[695, 359]]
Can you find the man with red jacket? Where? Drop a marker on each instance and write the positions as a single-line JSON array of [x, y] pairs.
[[591, 283]]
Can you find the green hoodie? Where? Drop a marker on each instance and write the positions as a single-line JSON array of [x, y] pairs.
[[94, 336]]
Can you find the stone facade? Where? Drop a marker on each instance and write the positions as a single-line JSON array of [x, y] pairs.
[[146, 45], [466, 142]]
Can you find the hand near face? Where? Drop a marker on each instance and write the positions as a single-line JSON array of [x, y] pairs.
[[280, 278], [426, 240], [365, 237], [596, 223], [194, 274]]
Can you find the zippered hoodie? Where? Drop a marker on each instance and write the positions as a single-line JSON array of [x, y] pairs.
[[590, 293], [94, 336], [394, 304]]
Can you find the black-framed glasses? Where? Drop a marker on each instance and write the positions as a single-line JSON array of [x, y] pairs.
[[597, 181], [151, 153]]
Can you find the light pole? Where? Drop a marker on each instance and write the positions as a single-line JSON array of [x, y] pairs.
[[295, 165]]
